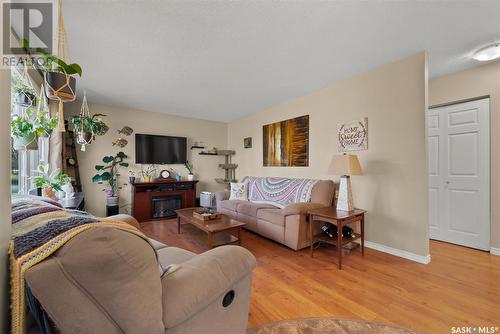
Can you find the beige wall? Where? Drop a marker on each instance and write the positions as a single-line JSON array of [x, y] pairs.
[[476, 82], [4, 195], [394, 187], [213, 134]]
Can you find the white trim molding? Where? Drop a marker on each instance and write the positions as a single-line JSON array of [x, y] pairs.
[[495, 251], [401, 253]]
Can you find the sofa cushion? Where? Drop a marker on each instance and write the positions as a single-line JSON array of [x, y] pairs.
[[251, 209], [231, 205], [274, 216]]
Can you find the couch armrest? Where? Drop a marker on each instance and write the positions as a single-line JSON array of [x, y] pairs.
[[123, 218], [201, 280], [221, 196], [300, 208]]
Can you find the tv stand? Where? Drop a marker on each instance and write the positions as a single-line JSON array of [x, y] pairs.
[[159, 199]]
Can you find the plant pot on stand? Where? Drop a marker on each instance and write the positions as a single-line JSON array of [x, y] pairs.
[[48, 192], [112, 207], [190, 177]]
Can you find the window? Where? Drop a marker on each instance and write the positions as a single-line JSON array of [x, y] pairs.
[[24, 163]]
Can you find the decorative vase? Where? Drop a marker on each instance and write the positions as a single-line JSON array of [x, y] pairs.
[[28, 143], [131, 179], [48, 192], [112, 201], [60, 86], [190, 177], [25, 99]]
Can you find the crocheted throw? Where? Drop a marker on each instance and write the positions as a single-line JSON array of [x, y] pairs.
[[279, 191], [40, 227]]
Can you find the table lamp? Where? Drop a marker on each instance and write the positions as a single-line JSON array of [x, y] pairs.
[[345, 165]]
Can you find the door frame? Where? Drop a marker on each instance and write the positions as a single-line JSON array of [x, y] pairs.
[[440, 105]]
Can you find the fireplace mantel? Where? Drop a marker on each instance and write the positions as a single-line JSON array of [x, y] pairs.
[[143, 194]]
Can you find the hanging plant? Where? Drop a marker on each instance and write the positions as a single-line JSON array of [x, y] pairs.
[[87, 126], [23, 133], [24, 94]]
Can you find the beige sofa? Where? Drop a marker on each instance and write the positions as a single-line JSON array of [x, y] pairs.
[[287, 225], [106, 280]]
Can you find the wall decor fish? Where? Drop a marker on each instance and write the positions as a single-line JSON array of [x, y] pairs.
[[126, 130], [120, 142]]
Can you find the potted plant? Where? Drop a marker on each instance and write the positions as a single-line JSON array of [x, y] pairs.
[[87, 127], [24, 94], [60, 83], [50, 182], [109, 173], [23, 132], [189, 168], [148, 173]]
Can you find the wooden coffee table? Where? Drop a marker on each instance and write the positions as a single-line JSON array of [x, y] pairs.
[[221, 231]]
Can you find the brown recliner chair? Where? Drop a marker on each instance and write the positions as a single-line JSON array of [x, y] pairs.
[[107, 280]]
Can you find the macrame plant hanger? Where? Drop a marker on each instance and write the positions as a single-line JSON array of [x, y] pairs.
[[27, 80], [60, 94], [84, 114], [23, 111]]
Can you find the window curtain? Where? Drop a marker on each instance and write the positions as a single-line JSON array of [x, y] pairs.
[[56, 139]]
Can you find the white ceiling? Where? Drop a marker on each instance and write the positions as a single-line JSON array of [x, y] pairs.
[[222, 60]]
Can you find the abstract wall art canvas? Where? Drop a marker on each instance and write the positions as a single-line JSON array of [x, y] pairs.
[[286, 143]]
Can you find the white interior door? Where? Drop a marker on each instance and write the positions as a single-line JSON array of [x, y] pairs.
[[459, 173]]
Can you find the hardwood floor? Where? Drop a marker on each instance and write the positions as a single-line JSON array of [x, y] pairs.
[[460, 287]]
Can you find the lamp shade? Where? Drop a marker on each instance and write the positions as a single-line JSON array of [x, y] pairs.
[[345, 164]]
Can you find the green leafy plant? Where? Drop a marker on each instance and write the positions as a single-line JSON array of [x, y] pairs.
[[109, 172], [189, 167], [150, 171], [22, 126], [22, 87], [93, 124], [49, 62], [54, 180], [44, 124]]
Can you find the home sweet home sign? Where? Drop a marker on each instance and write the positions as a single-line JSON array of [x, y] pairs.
[[353, 136]]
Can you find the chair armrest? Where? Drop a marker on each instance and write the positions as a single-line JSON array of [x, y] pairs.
[[300, 208], [201, 280], [221, 196]]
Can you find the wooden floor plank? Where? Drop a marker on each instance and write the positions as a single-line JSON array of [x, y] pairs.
[[460, 287]]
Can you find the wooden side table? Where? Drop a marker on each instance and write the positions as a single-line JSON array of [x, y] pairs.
[[339, 218]]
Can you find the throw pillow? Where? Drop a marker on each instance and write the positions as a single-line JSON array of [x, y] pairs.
[[239, 191]]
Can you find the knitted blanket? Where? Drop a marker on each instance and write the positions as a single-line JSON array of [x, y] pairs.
[[279, 191], [40, 227]]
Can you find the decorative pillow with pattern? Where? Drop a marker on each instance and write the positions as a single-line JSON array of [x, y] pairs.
[[239, 191]]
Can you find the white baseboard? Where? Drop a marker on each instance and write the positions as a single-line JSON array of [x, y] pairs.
[[398, 252], [495, 251]]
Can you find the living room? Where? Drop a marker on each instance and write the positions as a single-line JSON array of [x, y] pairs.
[[290, 167]]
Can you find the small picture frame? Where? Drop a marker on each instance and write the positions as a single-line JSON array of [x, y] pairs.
[[247, 142]]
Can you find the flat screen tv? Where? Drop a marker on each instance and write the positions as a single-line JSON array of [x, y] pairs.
[[152, 149]]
